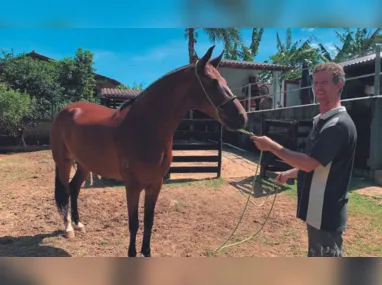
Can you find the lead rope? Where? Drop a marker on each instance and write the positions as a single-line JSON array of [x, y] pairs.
[[223, 246], [254, 179]]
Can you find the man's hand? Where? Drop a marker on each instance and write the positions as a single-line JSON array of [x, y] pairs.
[[264, 143], [281, 177]]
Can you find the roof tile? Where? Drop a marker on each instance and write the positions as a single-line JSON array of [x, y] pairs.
[[115, 92], [253, 65]]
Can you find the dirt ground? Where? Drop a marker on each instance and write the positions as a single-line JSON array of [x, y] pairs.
[[192, 218]]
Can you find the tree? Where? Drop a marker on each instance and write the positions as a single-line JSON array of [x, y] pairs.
[[354, 44], [15, 108], [76, 75], [135, 86], [228, 35], [53, 84], [35, 77], [237, 51], [293, 54]]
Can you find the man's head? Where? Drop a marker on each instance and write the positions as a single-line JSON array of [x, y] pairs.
[[328, 82]]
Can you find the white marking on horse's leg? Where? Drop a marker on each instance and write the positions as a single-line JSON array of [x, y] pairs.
[[69, 231], [80, 227]]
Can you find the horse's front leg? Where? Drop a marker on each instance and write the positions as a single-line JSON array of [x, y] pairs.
[[151, 197], [133, 191]]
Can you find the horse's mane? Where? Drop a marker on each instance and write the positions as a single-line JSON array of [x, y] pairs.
[[167, 76]]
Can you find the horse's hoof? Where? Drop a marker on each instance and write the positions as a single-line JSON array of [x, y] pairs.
[[132, 252], [70, 234], [146, 253], [80, 227]]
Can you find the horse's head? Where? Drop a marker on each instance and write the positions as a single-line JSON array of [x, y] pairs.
[[212, 96]]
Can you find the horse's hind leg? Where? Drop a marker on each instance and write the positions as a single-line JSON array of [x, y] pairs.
[[62, 193], [75, 187]]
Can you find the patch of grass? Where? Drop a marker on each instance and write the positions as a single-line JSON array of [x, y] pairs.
[[266, 241], [179, 205], [369, 210], [207, 183], [364, 205], [360, 248]]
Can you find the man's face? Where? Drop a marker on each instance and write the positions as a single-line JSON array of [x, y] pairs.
[[324, 88]]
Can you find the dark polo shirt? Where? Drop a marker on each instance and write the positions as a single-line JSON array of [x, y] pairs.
[[322, 193]]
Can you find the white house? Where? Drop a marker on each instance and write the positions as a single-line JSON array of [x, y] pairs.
[[238, 74]]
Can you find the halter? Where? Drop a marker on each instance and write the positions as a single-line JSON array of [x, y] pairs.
[[208, 97]]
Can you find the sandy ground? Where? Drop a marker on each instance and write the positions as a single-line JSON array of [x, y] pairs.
[[191, 219]]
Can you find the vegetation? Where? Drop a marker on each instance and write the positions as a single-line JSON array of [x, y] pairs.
[[14, 107], [230, 36], [293, 54], [238, 51], [354, 44], [365, 219], [36, 89], [290, 52], [135, 86]]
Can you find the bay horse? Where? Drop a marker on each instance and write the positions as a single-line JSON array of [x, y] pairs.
[[134, 143]]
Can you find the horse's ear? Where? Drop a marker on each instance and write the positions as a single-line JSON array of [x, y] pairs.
[[207, 56], [215, 62]]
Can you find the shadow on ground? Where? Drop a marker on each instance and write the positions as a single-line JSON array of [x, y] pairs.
[[30, 246], [252, 156], [94, 181], [264, 187]]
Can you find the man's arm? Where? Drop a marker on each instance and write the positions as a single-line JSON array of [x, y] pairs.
[[295, 159], [291, 173], [324, 149]]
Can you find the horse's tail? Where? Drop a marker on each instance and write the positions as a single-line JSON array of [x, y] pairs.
[[62, 164], [60, 195]]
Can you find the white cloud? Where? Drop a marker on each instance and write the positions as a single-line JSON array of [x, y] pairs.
[[307, 30], [314, 45], [330, 47]]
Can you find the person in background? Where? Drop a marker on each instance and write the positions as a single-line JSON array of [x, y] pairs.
[[324, 169], [255, 92]]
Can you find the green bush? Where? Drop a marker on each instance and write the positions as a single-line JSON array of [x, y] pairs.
[[14, 107]]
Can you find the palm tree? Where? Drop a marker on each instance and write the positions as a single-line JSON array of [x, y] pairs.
[[229, 35], [354, 44], [293, 54], [238, 51]]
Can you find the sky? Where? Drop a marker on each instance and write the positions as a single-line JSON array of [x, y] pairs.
[[139, 55]]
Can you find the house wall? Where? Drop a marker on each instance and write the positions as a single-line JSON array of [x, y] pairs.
[[238, 78]]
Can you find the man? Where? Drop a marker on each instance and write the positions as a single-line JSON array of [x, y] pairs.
[[255, 92], [324, 170]]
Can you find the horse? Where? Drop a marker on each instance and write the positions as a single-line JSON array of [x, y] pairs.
[[133, 143]]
